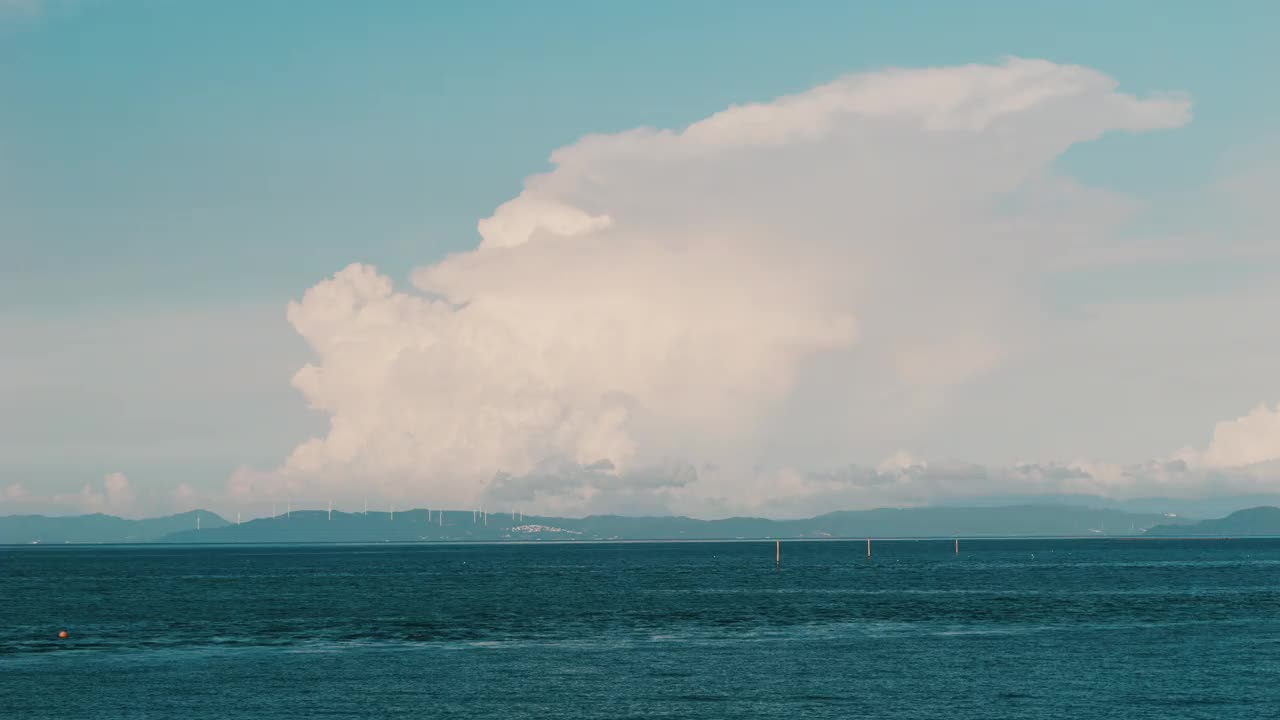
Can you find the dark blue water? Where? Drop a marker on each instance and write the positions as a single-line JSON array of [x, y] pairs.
[[1008, 629]]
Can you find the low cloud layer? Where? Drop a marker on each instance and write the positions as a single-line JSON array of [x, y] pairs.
[[1233, 464], [112, 495]]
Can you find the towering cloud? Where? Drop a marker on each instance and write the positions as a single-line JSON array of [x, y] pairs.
[[1250, 439], [639, 320]]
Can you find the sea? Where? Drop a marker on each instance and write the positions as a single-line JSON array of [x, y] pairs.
[[1093, 628]]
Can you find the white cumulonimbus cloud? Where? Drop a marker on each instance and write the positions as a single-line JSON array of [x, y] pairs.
[[1251, 439], [638, 320]]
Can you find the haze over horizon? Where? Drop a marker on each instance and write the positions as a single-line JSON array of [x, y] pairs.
[[439, 265]]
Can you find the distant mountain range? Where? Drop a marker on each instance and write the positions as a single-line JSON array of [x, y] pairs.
[[1213, 507], [1254, 522], [463, 525], [98, 528]]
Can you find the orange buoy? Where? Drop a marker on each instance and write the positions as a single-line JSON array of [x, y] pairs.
[[63, 635]]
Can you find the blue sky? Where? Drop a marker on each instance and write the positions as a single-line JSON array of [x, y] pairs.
[[168, 164], [154, 148]]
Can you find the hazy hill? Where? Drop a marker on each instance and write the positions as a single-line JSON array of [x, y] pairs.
[[1254, 521], [98, 528], [1212, 507], [423, 525], [463, 525]]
